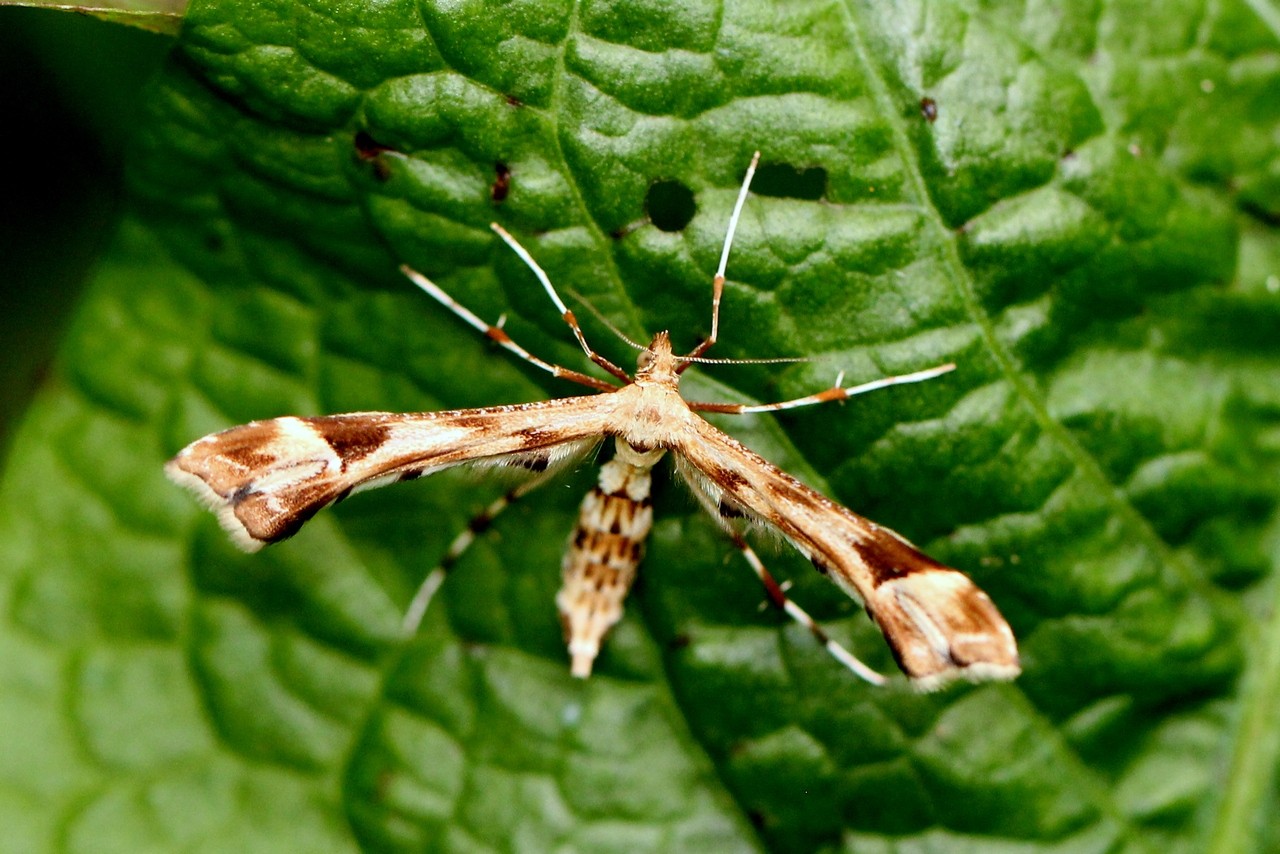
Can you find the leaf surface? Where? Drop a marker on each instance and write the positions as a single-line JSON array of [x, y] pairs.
[[1049, 198]]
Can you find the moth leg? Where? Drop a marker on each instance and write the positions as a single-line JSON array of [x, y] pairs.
[[565, 313], [479, 524], [836, 392], [501, 338], [778, 596], [717, 283]]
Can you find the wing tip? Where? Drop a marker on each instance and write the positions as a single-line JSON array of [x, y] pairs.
[[223, 509]]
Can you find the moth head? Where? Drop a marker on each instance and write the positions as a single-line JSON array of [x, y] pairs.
[[656, 359]]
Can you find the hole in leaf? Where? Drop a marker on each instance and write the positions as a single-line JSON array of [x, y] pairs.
[[670, 205], [783, 181]]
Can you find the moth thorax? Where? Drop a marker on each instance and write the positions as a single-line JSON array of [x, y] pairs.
[[600, 563]]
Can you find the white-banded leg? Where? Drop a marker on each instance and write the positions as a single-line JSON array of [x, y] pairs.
[[717, 283], [497, 335], [778, 597], [565, 313], [478, 525], [836, 392]]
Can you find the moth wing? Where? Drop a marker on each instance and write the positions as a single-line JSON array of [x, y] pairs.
[[266, 478], [938, 623]]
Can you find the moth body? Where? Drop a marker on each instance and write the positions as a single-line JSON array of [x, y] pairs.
[[604, 552]]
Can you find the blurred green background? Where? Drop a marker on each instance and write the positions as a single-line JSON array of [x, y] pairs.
[[69, 100]]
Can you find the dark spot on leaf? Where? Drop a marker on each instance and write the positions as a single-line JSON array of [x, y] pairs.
[[623, 230], [501, 182], [670, 205], [514, 101], [370, 151], [679, 642], [929, 109], [784, 181], [368, 147]]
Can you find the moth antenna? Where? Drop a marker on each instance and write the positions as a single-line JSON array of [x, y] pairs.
[[598, 315], [776, 360]]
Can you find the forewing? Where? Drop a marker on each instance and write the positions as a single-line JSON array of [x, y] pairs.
[[939, 625], [266, 478]]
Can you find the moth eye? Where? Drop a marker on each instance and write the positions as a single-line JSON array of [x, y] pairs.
[[644, 360]]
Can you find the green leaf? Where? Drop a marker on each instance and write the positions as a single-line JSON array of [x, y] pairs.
[[1077, 205], [157, 16]]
